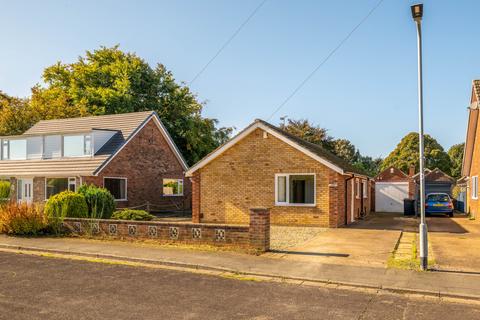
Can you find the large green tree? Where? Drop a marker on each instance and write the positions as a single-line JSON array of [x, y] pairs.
[[342, 148], [456, 157], [108, 81], [407, 153]]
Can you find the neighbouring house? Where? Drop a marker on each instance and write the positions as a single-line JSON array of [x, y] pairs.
[[132, 155], [392, 186], [471, 155], [264, 166], [436, 181]]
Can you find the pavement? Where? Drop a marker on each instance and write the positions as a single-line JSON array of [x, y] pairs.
[[33, 287], [439, 284]]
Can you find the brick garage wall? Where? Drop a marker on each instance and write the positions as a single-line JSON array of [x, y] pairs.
[[244, 177], [255, 236], [145, 162], [39, 189]]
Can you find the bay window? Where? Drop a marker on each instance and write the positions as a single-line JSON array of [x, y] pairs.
[[117, 187], [173, 187], [295, 189]]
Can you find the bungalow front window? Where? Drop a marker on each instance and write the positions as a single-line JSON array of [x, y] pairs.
[[295, 189]]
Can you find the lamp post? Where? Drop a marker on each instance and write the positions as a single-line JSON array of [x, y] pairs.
[[417, 13]]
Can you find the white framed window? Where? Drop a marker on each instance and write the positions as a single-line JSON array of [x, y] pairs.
[[79, 145], [117, 187], [173, 187], [57, 185], [474, 186], [17, 149], [295, 189], [365, 189]]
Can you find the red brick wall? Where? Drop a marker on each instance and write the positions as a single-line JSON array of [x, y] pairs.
[[255, 236], [145, 161]]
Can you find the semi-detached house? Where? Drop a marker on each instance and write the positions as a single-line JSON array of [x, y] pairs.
[[132, 155]]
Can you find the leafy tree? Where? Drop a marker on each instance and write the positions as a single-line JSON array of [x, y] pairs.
[[302, 128], [109, 81], [407, 153], [343, 148], [15, 115], [456, 157]]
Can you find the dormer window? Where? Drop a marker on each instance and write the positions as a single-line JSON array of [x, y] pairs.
[[77, 145]]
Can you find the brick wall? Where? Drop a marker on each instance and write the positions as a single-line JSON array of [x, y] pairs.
[[145, 162], [255, 236]]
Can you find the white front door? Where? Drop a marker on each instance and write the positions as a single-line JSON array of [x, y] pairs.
[[25, 190]]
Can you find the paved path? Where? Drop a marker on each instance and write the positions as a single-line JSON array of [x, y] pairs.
[[45, 288], [435, 283]]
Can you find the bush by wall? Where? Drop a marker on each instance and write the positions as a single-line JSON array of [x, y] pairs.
[[66, 204], [129, 214], [22, 219], [100, 201]]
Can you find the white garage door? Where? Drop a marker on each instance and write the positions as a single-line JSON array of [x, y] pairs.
[[389, 196]]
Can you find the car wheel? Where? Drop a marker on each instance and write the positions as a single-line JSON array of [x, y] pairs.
[[450, 214]]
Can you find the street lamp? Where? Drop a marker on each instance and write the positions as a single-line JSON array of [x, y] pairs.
[[417, 13]]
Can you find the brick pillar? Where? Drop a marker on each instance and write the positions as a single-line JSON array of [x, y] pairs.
[[260, 229], [411, 182], [196, 197]]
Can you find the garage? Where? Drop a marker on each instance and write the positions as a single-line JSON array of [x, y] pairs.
[[389, 196]]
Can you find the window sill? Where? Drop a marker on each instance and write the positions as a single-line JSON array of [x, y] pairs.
[[120, 200], [311, 205], [173, 195]]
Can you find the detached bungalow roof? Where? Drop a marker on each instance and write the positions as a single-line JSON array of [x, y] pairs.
[[125, 125], [313, 150]]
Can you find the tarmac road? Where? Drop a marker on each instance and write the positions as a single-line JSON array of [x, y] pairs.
[[33, 287]]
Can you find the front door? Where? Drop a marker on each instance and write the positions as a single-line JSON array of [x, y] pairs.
[[25, 190]]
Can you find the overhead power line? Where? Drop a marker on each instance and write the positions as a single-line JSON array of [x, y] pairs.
[[340, 44], [229, 40]]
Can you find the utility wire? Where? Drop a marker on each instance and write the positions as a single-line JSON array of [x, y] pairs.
[[228, 41], [325, 59]]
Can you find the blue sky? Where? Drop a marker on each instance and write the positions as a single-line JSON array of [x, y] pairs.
[[367, 92]]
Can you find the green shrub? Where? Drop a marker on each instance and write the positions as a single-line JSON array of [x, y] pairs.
[[4, 190], [129, 214], [22, 219], [100, 201], [66, 204]]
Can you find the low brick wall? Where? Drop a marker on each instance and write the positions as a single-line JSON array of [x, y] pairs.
[[255, 236]]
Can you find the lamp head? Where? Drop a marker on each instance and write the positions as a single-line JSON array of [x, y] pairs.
[[417, 11]]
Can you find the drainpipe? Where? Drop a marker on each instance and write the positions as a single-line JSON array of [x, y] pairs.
[[346, 197]]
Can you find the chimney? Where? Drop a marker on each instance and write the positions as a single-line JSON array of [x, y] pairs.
[[411, 170]]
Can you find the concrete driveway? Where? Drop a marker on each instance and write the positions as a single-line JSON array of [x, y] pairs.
[[368, 243], [455, 243]]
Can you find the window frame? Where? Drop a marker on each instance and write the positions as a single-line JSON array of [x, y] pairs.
[[287, 190], [474, 187], [126, 186], [365, 189], [357, 188], [174, 195], [68, 185], [84, 135]]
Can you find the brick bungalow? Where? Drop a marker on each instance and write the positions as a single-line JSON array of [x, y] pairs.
[[132, 155], [264, 166], [471, 155]]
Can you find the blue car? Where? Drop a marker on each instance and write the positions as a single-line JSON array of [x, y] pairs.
[[439, 203]]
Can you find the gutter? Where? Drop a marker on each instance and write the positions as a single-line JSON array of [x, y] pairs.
[[346, 197]]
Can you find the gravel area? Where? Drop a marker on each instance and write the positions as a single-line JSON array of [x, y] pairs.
[[282, 238]]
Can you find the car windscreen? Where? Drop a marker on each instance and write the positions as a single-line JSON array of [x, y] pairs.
[[438, 197]]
